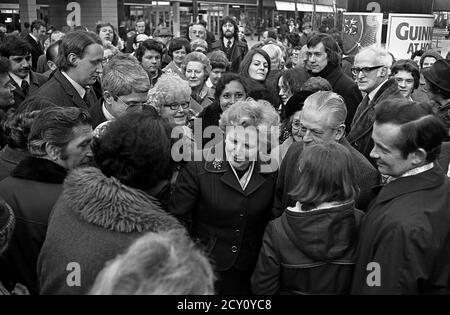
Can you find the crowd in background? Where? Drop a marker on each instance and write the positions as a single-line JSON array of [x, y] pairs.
[[138, 164]]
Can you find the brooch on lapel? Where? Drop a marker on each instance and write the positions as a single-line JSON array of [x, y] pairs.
[[217, 164]]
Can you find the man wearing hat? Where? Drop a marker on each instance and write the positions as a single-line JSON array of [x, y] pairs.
[[437, 78]]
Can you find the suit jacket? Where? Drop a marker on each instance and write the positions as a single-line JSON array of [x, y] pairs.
[[360, 135], [36, 81], [36, 51], [228, 221], [289, 173], [239, 50], [61, 92]]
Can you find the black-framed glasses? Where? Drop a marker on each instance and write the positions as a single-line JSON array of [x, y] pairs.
[[131, 104], [175, 106], [365, 70]]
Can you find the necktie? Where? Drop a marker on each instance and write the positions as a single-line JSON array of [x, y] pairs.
[[229, 44], [86, 98], [25, 87]]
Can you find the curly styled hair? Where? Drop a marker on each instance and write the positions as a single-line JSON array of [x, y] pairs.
[[17, 127], [135, 149]]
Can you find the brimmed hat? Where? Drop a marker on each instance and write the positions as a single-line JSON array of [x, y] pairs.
[[439, 74], [7, 222]]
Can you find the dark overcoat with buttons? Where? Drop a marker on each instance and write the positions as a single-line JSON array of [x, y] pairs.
[[229, 222]]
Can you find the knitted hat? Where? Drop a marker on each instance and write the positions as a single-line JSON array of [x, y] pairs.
[[7, 223]]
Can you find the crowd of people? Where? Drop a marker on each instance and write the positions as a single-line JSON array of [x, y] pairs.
[[196, 165]]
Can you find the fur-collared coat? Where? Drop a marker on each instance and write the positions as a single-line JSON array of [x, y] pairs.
[[95, 219], [31, 190]]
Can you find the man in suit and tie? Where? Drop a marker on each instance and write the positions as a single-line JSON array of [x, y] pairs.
[[371, 69], [35, 38], [25, 81], [230, 44], [79, 65]]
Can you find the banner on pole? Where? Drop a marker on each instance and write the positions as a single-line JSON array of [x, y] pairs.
[[408, 33], [361, 29]]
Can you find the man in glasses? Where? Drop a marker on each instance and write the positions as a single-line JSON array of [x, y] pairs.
[[324, 60], [125, 85], [322, 120], [371, 70]]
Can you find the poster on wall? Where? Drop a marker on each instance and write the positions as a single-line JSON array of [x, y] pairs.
[[361, 29], [408, 33]]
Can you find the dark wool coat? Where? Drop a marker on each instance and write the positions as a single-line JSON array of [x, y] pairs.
[[36, 81], [444, 157], [31, 191], [345, 87], [61, 92], [239, 50], [310, 252], [406, 233], [288, 178], [360, 135], [95, 219], [228, 221], [9, 158]]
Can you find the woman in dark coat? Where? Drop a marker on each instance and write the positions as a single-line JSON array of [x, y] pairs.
[[230, 89], [226, 199], [310, 249], [255, 68], [102, 210]]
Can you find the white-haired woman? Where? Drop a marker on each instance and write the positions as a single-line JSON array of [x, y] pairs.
[[226, 199], [196, 69], [178, 267]]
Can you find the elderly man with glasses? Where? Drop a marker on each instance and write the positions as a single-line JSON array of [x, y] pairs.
[[322, 120], [125, 84], [371, 70]]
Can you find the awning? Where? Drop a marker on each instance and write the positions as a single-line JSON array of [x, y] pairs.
[[302, 7]]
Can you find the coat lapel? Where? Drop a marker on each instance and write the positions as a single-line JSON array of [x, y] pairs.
[[18, 89], [70, 90]]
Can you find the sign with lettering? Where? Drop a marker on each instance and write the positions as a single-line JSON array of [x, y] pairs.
[[408, 33], [74, 17], [361, 30]]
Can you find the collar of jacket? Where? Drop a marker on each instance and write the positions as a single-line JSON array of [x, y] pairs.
[[310, 231], [41, 170], [410, 184], [218, 44], [390, 87], [11, 155], [327, 72], [69, 89], [106, 202], [33, 81], [215, 164]]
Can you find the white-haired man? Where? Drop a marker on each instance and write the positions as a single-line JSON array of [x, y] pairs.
[[322, 120], [371, 69]]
